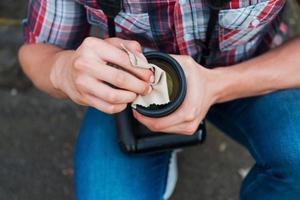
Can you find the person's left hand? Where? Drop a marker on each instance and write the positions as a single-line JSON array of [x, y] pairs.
[[202, 92]]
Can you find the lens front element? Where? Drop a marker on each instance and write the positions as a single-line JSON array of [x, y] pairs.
[[176, 85]]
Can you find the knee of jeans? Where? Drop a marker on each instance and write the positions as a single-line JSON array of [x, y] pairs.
[[276, 132], [98, 133], [285, 164]]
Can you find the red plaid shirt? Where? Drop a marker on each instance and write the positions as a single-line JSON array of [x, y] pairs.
[[245, 28]]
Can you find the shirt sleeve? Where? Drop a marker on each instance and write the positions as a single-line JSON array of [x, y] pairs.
[[61, 23]]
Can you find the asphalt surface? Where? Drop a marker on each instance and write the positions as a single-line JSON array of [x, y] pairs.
[[36, 146], [37, 135]]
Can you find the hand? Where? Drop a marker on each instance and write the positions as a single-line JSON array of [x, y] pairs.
[[201, 94], [86, 78]]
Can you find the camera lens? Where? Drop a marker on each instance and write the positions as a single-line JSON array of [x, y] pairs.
[[176, 85]]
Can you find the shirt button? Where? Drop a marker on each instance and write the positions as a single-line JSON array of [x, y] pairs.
[[188, 37], [118, 29], [255, 22]]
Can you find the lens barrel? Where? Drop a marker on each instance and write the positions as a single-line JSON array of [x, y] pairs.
[[176, 85]]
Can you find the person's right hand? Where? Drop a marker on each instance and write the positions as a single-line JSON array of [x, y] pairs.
[[86, 78]]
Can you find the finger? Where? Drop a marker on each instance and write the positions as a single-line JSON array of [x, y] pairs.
[[115, 55], [104, 106], [118, 78], [131, 45], [186, 128], [160, 123], [105, 92]]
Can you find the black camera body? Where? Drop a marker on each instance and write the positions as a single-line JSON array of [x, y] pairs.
[[134, 137]]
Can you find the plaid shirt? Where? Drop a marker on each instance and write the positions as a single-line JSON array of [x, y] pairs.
[[245, 28]]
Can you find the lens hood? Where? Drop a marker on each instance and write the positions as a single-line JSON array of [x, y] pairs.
[[177, 83]]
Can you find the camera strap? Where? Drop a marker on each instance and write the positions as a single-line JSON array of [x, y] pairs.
[[215, 6], [111, 8]]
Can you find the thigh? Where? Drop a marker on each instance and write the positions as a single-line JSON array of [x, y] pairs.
[[269, 126], [103, 171]]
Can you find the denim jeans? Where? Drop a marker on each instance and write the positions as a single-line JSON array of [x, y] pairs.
[[268, 126]]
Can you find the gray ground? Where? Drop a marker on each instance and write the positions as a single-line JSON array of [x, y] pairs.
[[38, 132]]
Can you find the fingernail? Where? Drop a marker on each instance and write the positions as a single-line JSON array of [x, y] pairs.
[[151, 79], [134, 113], [140, 55], [149, 89]]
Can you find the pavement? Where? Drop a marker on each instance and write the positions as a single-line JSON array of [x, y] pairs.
[[38, 132], [37, 136]]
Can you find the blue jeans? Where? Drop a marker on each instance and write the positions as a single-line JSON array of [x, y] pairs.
[[268, 126]]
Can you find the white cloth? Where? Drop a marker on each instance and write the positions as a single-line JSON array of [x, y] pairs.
[[159, 94]]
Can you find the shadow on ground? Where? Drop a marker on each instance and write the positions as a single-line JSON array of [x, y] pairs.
[[37, 136]]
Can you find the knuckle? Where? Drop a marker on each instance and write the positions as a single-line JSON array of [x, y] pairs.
[[119, 78], [151, 128], [191, 115], [111, 109], [111, 39], [190, 129], [144, 90], [133, 97], [135, 45], [89, 41], [147, 74], [129, 98], [79, 63], [112, 97], [156, 126]]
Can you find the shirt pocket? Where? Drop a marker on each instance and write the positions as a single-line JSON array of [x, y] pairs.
[[134, 26], [245, 26]]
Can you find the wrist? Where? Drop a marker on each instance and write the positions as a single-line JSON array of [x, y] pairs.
[[58, 73], [225, 82]]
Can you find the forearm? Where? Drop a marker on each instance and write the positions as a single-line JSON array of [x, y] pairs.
[[37, 61], [275, 70]]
